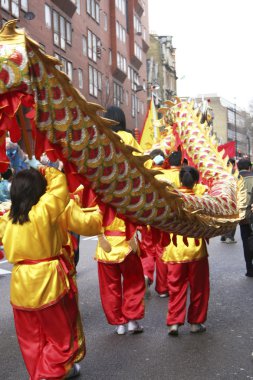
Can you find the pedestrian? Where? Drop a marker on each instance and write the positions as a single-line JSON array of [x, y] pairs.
[[229, 238], [187, 267], [16, 156], [120, 273], [244, 167], [151, 259], [41, 285], [5, 184]]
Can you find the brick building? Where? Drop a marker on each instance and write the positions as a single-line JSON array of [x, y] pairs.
[[102, 46]]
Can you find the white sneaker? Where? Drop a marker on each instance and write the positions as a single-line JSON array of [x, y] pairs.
[[74, 372], [197, 328], [173, 330], [230, 241], [120, 330], [163, 295], [134, 327]]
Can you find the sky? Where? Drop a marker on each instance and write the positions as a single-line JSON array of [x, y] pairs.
[[214, 45]]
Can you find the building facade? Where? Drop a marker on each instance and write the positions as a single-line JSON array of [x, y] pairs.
[[161, 68], [230, 123], [102, 46]]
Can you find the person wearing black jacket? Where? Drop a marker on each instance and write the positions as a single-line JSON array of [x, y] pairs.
[[244, 167]]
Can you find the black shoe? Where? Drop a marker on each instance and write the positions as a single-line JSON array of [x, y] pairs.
[[173, 330], [249, 274]]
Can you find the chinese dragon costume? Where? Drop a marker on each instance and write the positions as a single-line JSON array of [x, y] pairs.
[[35, 93]]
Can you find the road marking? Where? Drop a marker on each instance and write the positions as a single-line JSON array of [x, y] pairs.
[[3, 271]]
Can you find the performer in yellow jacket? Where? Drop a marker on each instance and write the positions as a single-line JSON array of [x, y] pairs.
[[151, 259], [120, 272], [187, 266], [42, 288], [153, 251], [121, 279]]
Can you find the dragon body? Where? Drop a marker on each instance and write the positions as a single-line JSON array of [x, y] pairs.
[[64, 122]]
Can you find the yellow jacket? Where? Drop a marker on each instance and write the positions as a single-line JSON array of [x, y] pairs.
[[172, 175], [128, 139], [38, 285], [120, 247], [182, 253]]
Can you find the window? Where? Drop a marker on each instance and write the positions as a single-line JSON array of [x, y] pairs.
[[89, 44], [90, 80], [95, 76], [121, 63], [88, 6], [62, 31], [117, 94], [97, 18], [107, 87], [134, 78], [59, 58], [56, 28], [80, 78], [5, 5], [48, 16], [95, 81], [78, 7], [105, 22], [24, 5], [93, 9], [94, 46], [67, 66], [137, 51], [120, 32], [70, 70], [84, 45], [133, 105], [110, 57], [121, 5], [69, 33], [137, 25], [99, 81], [64, 64], [15, 8]]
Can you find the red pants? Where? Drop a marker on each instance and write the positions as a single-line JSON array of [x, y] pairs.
[[122, 300], [195, 274], [153, 261], [48, 339]]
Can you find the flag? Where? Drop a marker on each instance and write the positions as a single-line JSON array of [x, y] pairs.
[[229, 149], [150, 132]]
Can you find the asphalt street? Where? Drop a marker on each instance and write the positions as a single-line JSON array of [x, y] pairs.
[[223, 352]]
